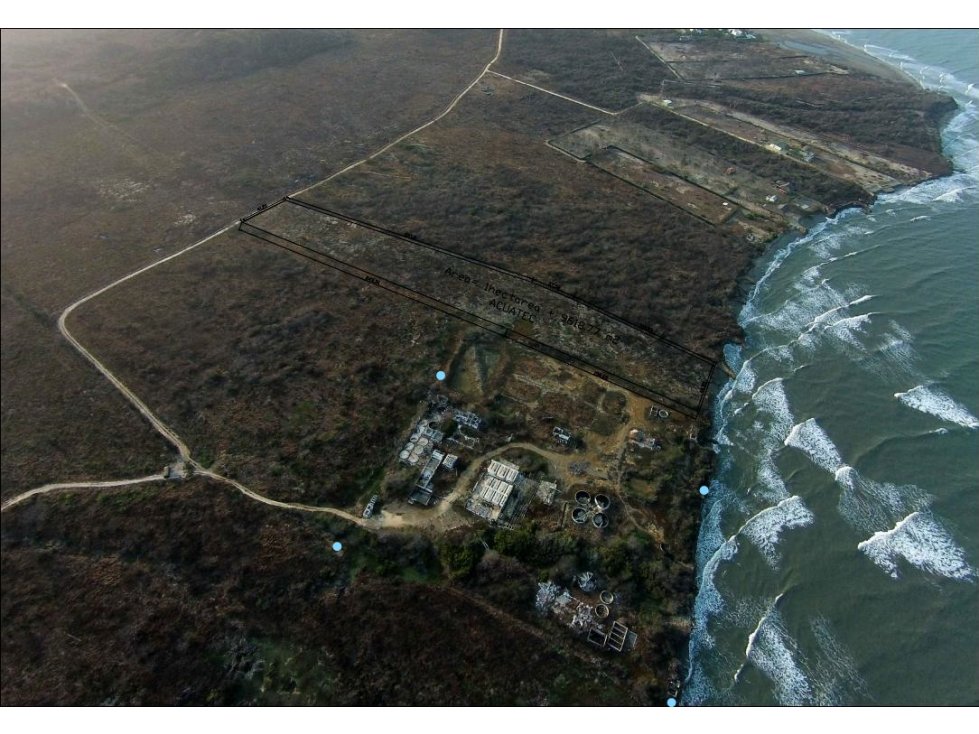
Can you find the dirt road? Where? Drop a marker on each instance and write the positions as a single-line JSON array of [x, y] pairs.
[[166, 431]]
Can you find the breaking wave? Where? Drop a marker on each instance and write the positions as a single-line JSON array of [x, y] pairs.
[[807, 300], [920, 540], [812, 440], [773, 651], [938, 403], [868, 505], [765, 529]]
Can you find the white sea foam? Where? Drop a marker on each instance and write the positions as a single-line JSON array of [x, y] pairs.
[[709, 601], [869, 505], [932, 77], [895, 355], [745, 379], [779, 257], [953, 189], [773, 651], [771, 486], [847, 329], [936, 402], [835, 680], [920, 540], [811, 439], [765, 529], [770, 397]]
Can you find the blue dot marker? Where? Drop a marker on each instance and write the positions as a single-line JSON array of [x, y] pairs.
[[671, 702], [337, 546], [704, 490], [440, 375]]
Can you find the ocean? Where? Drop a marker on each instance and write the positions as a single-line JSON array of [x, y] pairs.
[[838, 553]]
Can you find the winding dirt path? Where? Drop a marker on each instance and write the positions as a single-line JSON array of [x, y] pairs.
[[79, 485], [166, 431]]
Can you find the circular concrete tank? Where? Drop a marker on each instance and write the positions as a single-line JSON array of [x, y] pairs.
[[600, 520], [602, 501], [607, 597], [579, 515], [404, 455], [664, 414], [582, 497], [601, 611]]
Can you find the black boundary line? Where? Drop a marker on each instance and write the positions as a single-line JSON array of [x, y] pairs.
[[529, 342], [498, 329], [769, 216], [497, 268], [696, 216]]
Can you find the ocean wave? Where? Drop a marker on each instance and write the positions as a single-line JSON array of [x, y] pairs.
[[744, 381], [938, 403], [765, 529], [931, 77], [812, 440], [709, 601], [770, 483], [920, 540], [846, 330], [895, 355], [952, 189], [835, 680], [868, 505], [772, 650], [779, 257]]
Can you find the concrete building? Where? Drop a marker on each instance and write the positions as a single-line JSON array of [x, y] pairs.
[[468, 419], [493, 490], [562, 436], [505, 470]]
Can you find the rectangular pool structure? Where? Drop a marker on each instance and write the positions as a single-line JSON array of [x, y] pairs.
[[523, 309]]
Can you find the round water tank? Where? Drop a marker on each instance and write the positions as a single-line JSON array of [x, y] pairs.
[[607, 597], [601, 611], [582, 497], [600, 520], [579, 515], [404, 455], [602, 501]]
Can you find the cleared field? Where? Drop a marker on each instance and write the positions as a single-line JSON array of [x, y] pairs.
[[696, 165], [719, 59], [834, 158], [700, 202], [509, 304], [483, 183]]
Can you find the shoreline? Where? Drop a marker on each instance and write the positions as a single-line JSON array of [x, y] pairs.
[[747, 282]]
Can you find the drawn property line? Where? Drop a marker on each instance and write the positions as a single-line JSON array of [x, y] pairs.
[[428, 299]]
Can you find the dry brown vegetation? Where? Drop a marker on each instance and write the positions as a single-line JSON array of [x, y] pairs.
[[300, 381], [481, 182], [291, 377], [186, 131], [194, 594]]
